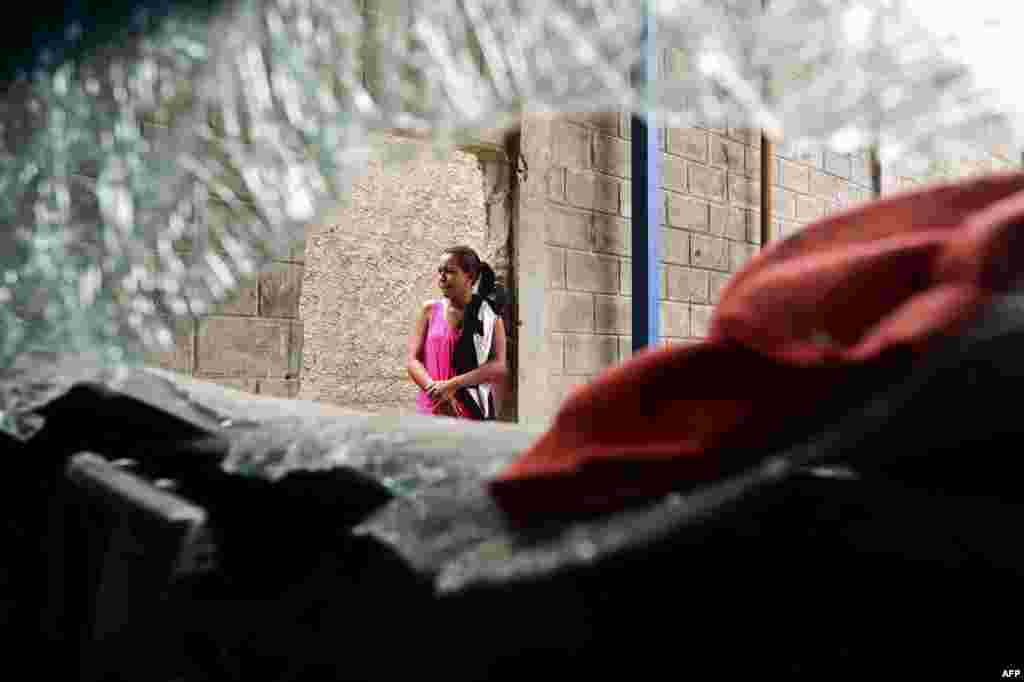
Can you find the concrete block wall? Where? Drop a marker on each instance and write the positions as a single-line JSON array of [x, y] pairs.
[[577, 213], [253, 341], [709, 229], [811, 183]]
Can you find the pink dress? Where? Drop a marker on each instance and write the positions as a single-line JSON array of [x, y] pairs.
[[437, 353]]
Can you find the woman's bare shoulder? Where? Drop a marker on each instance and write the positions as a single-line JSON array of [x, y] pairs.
[[428, 305]]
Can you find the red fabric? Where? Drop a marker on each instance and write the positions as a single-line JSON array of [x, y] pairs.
[[871, 288]]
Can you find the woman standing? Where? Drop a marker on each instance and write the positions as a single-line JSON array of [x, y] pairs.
[[457, 350]]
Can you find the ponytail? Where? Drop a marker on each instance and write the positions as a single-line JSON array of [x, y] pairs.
[[486, 284], [489, 290]]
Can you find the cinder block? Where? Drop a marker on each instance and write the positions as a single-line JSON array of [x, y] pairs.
[[706, 182], [701, 320], [614, 314], [794, 176], [569, 311], [592, 272], [568, 228], [727, 154], [243, 347], [612, 156], [611, 234], [687, 284], [675, 319], [687, 212], [709, 252], [688, 142], [809, 208], [675, 246], [673, 173], [592, 191], [823, 185], [744, 191], [736, 225], [571, 145], [590, 354]]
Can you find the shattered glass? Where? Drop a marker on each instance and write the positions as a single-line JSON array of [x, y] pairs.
[[142, 182]]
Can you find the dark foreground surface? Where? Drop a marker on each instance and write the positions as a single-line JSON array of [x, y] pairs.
[[882, 539]]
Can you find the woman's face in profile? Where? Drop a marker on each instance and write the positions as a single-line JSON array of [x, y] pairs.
[[453, 281]]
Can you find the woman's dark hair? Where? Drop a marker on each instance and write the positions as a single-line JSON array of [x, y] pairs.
[[479, 271]]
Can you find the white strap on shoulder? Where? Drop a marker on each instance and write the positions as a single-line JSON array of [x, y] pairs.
[[483, 343]]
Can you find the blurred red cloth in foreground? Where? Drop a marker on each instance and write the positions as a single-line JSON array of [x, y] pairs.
[[869, 288]]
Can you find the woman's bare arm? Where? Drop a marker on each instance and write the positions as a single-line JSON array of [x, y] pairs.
[[414, 362]]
